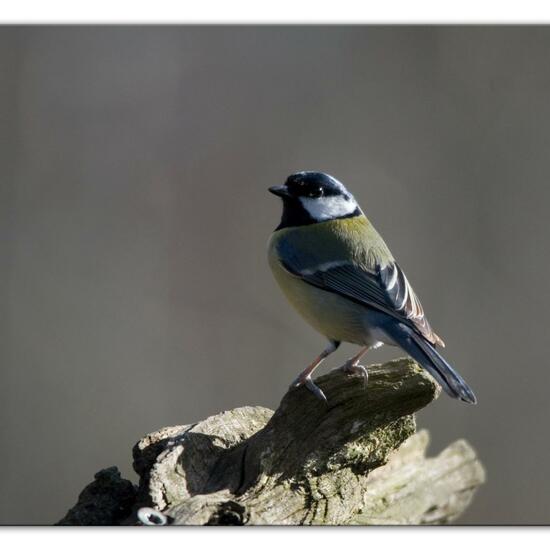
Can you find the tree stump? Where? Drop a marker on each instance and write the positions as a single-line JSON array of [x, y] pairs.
[[355, 460]]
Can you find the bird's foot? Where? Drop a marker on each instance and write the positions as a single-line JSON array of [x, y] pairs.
[[310, 385], [351, 368]]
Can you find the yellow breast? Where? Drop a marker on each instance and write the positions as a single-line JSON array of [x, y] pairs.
[[330, 314]]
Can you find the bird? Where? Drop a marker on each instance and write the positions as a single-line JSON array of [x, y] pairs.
[[338, 273]]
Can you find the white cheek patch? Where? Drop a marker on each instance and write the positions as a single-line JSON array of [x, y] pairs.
[[328, 208]]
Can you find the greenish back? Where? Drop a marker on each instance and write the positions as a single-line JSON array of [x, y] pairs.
[[352, 239]]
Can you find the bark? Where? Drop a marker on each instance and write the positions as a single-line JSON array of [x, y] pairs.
[[353, 460]]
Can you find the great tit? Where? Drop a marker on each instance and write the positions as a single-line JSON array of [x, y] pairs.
[[338, 273]]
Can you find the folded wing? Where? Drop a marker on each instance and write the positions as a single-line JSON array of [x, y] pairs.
[[385, 288]]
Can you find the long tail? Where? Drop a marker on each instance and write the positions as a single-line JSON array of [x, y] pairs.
[[425, 354]]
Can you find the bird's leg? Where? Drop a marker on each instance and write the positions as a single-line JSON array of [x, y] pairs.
[[304, 378], [352, 365]]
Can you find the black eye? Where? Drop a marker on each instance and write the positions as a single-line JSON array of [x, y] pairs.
[[304, 187], [314, 192]]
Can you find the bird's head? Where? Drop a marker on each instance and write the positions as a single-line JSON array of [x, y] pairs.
[[311, 197]]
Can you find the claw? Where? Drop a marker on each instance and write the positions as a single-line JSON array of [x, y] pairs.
[[315, 390], [310, 385], [350, 368]]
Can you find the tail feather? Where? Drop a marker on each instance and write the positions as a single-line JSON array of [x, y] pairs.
[[425, 354]]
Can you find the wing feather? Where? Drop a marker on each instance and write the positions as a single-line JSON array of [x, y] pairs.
[[385, 288]]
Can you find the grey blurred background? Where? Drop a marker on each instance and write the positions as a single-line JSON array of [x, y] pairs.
[[135, 293]]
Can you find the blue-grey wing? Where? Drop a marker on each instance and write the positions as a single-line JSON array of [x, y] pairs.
[[385, 288]]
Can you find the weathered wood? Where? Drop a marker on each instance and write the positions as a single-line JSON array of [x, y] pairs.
[[412, 489], [353, 460]]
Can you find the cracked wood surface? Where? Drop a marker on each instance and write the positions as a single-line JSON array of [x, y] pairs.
[[354, 460]]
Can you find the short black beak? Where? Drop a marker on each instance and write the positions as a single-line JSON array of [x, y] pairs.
[[279, 190]]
